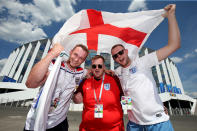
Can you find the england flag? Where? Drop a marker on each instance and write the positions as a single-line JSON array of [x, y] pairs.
[[100, 30]]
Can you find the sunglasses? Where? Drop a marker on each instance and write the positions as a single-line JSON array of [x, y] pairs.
[[99, 66], [119, 53]]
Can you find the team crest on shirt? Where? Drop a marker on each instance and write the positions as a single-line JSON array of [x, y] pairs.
[[77, 81], [107, 86], [133, 70]]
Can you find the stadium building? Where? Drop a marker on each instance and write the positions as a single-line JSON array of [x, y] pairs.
[[18, 66]]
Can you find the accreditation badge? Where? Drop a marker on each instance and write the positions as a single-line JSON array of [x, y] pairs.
[[133, 70], [126, 102], [54, 104], [98, 111]]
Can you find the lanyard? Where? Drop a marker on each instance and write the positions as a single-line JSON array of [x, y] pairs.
[[100, 90]]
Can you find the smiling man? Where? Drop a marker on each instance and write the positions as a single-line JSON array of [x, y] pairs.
[[148, 112], [68, 79]]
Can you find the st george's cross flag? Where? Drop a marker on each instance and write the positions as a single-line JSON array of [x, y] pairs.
[[99, 31]]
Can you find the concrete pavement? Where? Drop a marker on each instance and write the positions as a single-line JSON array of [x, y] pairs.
[[13, 119]]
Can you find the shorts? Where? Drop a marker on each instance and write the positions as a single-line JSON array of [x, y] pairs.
[[163, 126], [63, 126]]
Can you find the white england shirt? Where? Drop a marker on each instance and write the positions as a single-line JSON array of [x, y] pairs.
[[138, 83], [66, 85]]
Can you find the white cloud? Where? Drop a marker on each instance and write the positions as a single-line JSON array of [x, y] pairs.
[[2, 63], [47, 11], [192, 94], [29, 18], [190, 84], [192, 54], [20, 31], [137, 5], [188, 55], [176, 59]]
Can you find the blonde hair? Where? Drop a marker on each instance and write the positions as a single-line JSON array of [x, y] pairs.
[[83, 47]]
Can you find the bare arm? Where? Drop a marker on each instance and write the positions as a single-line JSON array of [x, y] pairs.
[[173, 34], [78, 98], [39, 72]]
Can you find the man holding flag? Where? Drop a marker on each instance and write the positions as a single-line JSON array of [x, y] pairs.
[[147, 111], [68, 78]]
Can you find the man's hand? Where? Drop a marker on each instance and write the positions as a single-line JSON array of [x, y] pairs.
[[78, 98], [170, 10], [110, 72], [56, 50]]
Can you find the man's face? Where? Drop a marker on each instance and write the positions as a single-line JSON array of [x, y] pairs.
[[77, 57], [120, 55], [98, 68]]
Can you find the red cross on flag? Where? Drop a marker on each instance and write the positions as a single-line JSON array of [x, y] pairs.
[[100, 30]]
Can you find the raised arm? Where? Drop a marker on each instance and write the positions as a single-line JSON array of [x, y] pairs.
[[39, 72], [173, 34]]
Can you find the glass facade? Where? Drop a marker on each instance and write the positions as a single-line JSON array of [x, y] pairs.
[[162, 75], [27, 61], [88, 62], [154, 72], [107, 58], [19, 60]]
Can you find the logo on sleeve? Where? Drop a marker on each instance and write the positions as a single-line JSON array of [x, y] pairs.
[[107, 86], [133, 70]]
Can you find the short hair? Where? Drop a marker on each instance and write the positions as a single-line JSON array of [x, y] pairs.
[[98, 57], [117, 46], [83, 47]]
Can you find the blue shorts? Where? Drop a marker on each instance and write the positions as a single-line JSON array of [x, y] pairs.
[[163, 126]]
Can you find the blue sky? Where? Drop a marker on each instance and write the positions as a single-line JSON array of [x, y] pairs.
[[23, 21]]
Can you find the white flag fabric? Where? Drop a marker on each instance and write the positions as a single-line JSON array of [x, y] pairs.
[[99, 31], [44, 102], [45, 98]]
